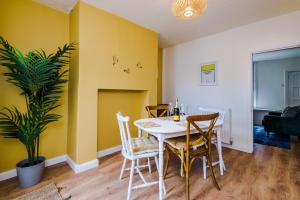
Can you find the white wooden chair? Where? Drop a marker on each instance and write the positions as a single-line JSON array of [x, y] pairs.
[[134, 149], [214, 140]]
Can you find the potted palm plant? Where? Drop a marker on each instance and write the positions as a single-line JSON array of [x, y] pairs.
[[41, 79]]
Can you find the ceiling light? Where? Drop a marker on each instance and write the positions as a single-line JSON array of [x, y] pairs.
[[188, 9]]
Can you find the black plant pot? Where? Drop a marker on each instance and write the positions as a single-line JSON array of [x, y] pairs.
[[29, 176]]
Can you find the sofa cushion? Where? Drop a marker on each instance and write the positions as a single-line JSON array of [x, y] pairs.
[[298, 114], [291, 112]]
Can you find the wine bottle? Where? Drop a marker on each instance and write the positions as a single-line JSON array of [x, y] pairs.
[[176, 113]]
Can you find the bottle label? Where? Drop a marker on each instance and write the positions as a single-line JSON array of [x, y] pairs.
[[176, 118]]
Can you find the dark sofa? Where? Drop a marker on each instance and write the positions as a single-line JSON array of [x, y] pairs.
[[276, 123]]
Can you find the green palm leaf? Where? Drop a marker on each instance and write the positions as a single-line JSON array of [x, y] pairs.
[[41, 78]]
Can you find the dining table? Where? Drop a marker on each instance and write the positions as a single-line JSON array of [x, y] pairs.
[[165, 127]]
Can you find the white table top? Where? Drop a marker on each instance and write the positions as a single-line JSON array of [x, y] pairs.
[[170, 126]]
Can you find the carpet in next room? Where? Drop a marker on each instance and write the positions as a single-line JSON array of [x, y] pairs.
[[274, 139]]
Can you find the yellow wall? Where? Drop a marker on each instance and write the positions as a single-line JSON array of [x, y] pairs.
[[73, 84], [128, 102], [102, 36], [28, 25], [159, 77]]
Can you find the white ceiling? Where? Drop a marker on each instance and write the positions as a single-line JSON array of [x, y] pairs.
[[156, 15]]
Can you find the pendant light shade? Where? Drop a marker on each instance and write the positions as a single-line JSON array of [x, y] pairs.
[[188, 9]]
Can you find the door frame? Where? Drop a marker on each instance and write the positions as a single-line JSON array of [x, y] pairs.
[[256, 51]]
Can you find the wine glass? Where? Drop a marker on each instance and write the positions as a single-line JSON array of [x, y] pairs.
[[182, 109], [171, 107]]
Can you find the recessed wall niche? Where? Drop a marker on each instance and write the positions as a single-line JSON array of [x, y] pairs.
[[129, 102]]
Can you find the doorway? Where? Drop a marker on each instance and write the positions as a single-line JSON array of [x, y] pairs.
[[276, 85]]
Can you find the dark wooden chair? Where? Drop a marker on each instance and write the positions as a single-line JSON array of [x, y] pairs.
[[161, 110], [192, 146]]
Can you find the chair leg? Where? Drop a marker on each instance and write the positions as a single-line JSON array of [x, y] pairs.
[[167, 162], [149, 166], [224, 168], [130, 180], [123, 167], [220, 159], [156, 163], [187, 181], [204, 166], [212, 172]]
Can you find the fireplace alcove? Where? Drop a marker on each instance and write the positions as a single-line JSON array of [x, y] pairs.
[[110, 101]]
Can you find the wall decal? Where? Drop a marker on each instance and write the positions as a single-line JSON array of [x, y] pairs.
[[139, 65], [116, 63], [127, 70], [115, 60]]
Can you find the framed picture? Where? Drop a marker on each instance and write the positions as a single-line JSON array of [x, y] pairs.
[[208, 73]]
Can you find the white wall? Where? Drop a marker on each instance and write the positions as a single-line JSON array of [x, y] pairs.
[[232, 49], [270, 82]]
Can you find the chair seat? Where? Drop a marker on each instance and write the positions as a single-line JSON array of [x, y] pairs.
[[144, 144], [180, 142]]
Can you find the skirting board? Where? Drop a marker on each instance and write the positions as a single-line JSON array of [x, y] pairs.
[[109, 151], [12, 173], [77, 168], [238, 148]]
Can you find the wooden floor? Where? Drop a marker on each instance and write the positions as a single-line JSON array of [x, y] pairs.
[[268, 173]]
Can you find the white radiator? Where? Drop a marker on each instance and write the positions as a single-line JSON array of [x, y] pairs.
[[224, 115]]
